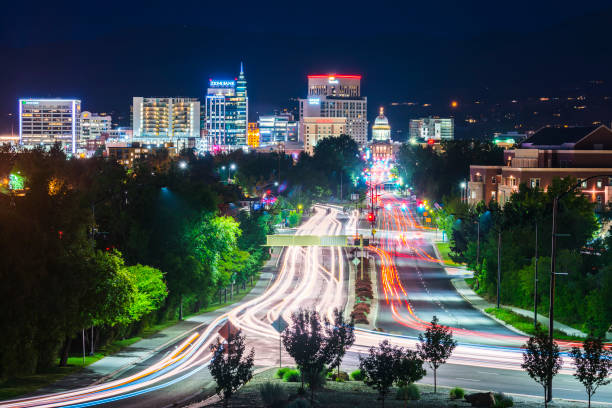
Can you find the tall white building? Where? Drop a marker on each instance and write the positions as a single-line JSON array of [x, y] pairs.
[[93, 125], [157, 121], [337, 96], [433, 128], [314, 129], [381, 131], [48, 121]]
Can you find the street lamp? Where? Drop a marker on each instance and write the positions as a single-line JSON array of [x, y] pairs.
[[553, 259], [229, 171], [463, 186], [183, 164]]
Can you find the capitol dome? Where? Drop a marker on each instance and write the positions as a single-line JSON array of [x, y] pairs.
[[381, 131]]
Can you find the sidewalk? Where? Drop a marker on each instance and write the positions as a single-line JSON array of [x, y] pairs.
[[481, 304], [113, 366]]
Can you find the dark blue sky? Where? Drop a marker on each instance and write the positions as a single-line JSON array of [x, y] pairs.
[[27, 22], [429, 51]]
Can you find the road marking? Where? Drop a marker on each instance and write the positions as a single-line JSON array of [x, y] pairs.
[[466, 379], [565, 389], [486, 372]]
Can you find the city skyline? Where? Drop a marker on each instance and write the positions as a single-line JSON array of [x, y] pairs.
[[499, 66]]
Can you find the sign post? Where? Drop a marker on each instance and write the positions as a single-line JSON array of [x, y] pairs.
[[280, 325]]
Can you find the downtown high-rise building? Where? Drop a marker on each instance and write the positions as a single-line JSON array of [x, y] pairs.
[[94, 126], [432, 128], [336, 96], [44, 122], [226, 113], [160, 121]]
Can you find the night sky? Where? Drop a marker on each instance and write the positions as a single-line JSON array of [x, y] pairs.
[[434, 52]]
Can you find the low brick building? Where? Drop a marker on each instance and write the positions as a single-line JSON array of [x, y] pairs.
[[549, 153]]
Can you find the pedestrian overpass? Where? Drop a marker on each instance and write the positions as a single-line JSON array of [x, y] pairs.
[[283, 240]]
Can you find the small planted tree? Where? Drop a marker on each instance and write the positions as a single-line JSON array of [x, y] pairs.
[[230, 367], [340, 336], [306, 342], [388, 364], [593, 366], [541, 360], [436, 346], [378, 368]]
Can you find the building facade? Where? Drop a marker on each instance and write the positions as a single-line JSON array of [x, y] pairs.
[[158, 121], [381, 131], [337, 96], [432, 128], [277, 128], [94, 126], [253, 135], [226, 113], [49, 121], [550, 153], [314, 129]]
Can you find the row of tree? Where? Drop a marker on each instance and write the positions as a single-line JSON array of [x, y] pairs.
[[318, 345], [521, 230], [89, 244]]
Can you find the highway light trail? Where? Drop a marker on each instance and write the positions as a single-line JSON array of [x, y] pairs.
[[308, 277]]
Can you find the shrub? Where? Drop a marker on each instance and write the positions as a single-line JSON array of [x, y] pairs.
[[273, 395], [357, 375], [299, 403], [503, 401], [281, 372], [292, 376], [315, 380], [408, 392], [456, 393], [343, 376]]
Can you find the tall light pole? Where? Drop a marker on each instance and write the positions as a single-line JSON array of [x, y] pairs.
[[499, 234], [463, 191], [553, 261], [535, 282], [229, 171]]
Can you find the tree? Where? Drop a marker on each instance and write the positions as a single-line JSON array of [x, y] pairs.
[[436, 346], [593, 366], [388, 364], [379, 368], [340, 336], [306, 342], [150, 291], [541, 360], [229, 366]]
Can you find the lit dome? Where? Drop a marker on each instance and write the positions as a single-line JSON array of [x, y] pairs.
[[381, 131]]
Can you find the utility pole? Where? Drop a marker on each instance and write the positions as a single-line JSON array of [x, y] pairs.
[[498, 265], [535, 281], [551, 308], [477, 244]]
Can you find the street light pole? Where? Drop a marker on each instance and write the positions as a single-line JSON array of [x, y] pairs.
[[478, 244], [535, 281], [553, 273], [498, 265], [551, 306]]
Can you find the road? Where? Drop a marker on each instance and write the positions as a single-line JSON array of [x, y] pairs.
[[317, 277]]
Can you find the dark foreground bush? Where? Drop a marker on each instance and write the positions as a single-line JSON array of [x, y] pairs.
[[299, 403], [357, 375], [456, 393], [408, 392], [503, 401], [273, 395]]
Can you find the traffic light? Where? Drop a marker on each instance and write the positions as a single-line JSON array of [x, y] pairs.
[[371, 217]]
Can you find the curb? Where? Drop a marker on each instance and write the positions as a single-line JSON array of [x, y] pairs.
[[506, 325]]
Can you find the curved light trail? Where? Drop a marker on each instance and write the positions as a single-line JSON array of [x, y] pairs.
[[311, 277]]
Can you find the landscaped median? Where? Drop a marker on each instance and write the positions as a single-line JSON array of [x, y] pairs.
[[340, 394]]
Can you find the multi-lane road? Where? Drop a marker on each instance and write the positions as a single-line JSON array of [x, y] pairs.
[[412, 288]]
